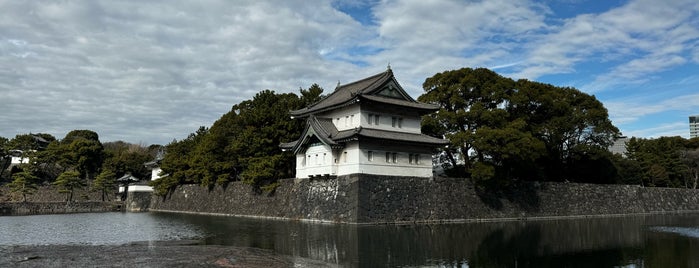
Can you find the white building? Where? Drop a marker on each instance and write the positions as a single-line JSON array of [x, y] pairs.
[[17, 157], [694, 126], [371, 126]]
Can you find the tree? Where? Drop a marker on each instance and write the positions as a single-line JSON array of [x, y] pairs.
[[122, 158], [30, 142], [23, 183], [105, 182], [660, 160], [83, 151], [69, 181], [691, 161], [241, 145], [469, 99], [569, 122], [177, 163], [507, 129], [4, 158]]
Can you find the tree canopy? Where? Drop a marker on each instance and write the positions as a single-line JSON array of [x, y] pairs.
[[241, 145], [501, 128]]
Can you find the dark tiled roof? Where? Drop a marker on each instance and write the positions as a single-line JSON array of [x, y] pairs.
[[328, 134], [349, 93], [390, 135], [323, 128], [412, 104]]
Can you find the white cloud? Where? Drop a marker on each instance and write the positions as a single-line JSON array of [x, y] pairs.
[[638, 38], [664, 130], [630, 110], [156, 70]]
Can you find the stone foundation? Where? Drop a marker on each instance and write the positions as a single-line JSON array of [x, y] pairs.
[[368, 199], [37, 208]]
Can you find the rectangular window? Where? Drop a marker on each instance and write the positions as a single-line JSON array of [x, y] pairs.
[[370, 118], [417, 159], [400, 122], [395, 158], [344, 155], [370, 156], [394, 121], [376, 119], [351, 120], [388, 157], [324, 154], [410, 158], [347, 121]]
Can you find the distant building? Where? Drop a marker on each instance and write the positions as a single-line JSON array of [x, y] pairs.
[[619, 146], [154, 165], [693, 126], [371, 126]]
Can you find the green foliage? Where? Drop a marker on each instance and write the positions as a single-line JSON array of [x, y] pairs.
[[241, 145], [178, 163], [517, 130], [29, 142], [4, 159], [105, 182], [665, 161], [69, 181], [122, 158], [24, 183], [83, 151]]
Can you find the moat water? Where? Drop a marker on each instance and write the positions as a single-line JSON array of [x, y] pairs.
[[636, 241]]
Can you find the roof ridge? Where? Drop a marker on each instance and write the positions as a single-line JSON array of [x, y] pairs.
[[365, 79]]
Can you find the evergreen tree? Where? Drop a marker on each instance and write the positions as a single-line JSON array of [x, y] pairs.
[[105, 182], [23, 183], [68, 182]]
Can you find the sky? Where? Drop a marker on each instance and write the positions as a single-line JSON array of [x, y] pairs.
[[149, 72]]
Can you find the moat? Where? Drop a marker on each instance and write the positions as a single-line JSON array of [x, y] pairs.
[[670, 240]]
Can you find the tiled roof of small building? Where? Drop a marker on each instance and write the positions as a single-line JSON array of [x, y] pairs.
[[364, 88]]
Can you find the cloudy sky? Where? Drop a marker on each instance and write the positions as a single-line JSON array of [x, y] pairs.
[[153, 71]]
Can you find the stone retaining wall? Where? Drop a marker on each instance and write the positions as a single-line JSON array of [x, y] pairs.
[[371, 199], [51, 193], [36, 208]]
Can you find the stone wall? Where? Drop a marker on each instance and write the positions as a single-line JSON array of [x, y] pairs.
[[138, 201], [46, 193], [380, 199], [36, 208], [300, 199]]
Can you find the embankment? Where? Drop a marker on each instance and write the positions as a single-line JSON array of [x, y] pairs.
[[379, 199], [49, 200], [36, 208]]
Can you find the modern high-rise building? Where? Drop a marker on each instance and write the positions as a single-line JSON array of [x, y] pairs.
[[693, 126]]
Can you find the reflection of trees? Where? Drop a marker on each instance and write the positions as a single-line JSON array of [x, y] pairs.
[[671, 250], [596, 242], [501, 249]]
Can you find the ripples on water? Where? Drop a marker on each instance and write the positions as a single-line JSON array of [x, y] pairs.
[[93, 229]]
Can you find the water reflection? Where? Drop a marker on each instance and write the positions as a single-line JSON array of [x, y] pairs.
[[641, 241]]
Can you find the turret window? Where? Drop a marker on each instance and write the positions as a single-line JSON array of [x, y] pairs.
[[397, 122], [373, 119]]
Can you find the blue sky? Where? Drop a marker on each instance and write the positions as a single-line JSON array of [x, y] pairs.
[[150, 72]]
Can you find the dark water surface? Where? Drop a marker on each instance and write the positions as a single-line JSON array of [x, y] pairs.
[[638, 241]]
